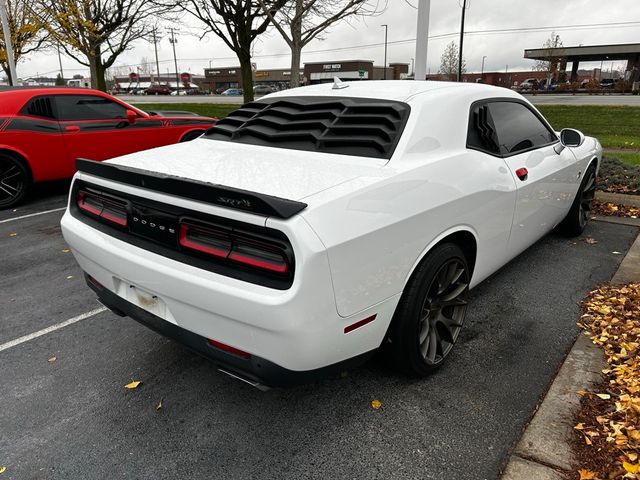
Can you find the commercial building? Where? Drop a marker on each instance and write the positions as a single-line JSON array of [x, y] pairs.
[[217, 79]]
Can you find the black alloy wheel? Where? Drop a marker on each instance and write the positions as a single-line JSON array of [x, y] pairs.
[[443, 311], [587, 194], [431, 312], [576, 220], [14, 181]]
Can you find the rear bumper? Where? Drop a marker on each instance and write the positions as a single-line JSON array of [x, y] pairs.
[[297, 330], [254, 370]]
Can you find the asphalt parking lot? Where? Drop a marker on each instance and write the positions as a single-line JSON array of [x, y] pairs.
[[73, 418]]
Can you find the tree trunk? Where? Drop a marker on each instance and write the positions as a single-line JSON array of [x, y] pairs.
[[92, 70], [296, 51], [246, 73], [101, 83], [7, 73]]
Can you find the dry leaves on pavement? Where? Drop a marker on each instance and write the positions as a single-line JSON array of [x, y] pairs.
[[609, 420], [133, 384], [376, 404], [614, 210]]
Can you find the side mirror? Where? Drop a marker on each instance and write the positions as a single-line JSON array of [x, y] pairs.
[[571, 138], [131, 117]]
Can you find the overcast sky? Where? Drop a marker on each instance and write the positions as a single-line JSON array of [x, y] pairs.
[[501, 49]]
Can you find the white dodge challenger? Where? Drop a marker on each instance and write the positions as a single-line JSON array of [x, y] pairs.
[[311, 227]]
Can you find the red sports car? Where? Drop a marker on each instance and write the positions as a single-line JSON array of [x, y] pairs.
[[44, 130]]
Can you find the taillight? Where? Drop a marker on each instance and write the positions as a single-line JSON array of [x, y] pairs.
[[229, 349], [106, 208], [237, 247]]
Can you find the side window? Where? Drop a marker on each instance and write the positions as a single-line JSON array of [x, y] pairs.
[[88, 107], [39, 107], [518, 128], [482, 133]]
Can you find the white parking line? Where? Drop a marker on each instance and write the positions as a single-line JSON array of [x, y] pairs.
[[32, 215], [50, 329]]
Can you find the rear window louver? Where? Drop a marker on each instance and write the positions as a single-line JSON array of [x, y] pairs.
[[347, 126], [40, 107]]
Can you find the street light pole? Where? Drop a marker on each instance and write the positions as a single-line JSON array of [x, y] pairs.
[[4, 13], [413, 73], [60, 62], [155, 48], [386, 27], [173, 42], [464, 9], [482, 68], [422, 39]]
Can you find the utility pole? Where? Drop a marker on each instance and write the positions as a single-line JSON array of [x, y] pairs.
[[386, 27], [60, 62], [482, 68], [422, 39], [4, 13], [173, 42], [464, 9], [155, 47], [412, 70]]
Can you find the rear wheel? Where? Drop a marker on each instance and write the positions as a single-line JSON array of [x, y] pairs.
[[578, 217], [14, 181], [431, 313]]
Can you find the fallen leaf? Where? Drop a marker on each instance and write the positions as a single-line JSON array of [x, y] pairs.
[[376, 404], [159, 405], [586, 474], [69, 277], [579, 426], [591, 241], [582, 393], [630, 467], [65, 250], [52, 359], [603, 396], [615, 252], [133, 384], [3, 469], [13, 234]]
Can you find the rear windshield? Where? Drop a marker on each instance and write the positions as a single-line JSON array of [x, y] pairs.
[[348, 126]]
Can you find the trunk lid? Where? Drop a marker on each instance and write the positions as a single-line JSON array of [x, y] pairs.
[[279, 172]]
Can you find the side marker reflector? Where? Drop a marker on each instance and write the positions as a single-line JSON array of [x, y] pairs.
[[353, 326]]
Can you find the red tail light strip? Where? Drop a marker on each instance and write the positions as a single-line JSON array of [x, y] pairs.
[[111, 211], [229, 349], [353, 326], [233, 246]]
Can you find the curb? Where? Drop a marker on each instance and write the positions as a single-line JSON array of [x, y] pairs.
[[618, 198], [543, 452]]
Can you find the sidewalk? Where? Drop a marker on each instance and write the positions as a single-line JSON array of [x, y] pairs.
[[544, 452]]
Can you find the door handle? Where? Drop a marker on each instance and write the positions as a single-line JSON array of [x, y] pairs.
[[72, 128], [522, 173]]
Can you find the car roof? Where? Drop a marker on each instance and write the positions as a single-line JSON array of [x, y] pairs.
[[399, 90], [13, 98]]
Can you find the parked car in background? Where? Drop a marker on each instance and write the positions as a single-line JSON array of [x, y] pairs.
[[310, 228], [607, 83], [232, 91], [529, 84], [44, 130], [262, 90], [158, 90]]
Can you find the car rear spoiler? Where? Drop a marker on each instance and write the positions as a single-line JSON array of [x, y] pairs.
[[210, 193]]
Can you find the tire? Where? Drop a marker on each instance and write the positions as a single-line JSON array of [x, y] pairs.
[[431, 312], [191, 136], [578, 217], [15, 181]]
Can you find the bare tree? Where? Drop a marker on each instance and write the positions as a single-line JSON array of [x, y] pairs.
[[551, 57], [96, 32], [308, 19], [27, 32], [146, 66], [449, 62], [237, 22]]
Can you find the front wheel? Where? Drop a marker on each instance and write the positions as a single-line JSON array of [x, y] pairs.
[[14, 181], [578, 217], [431, 312]]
